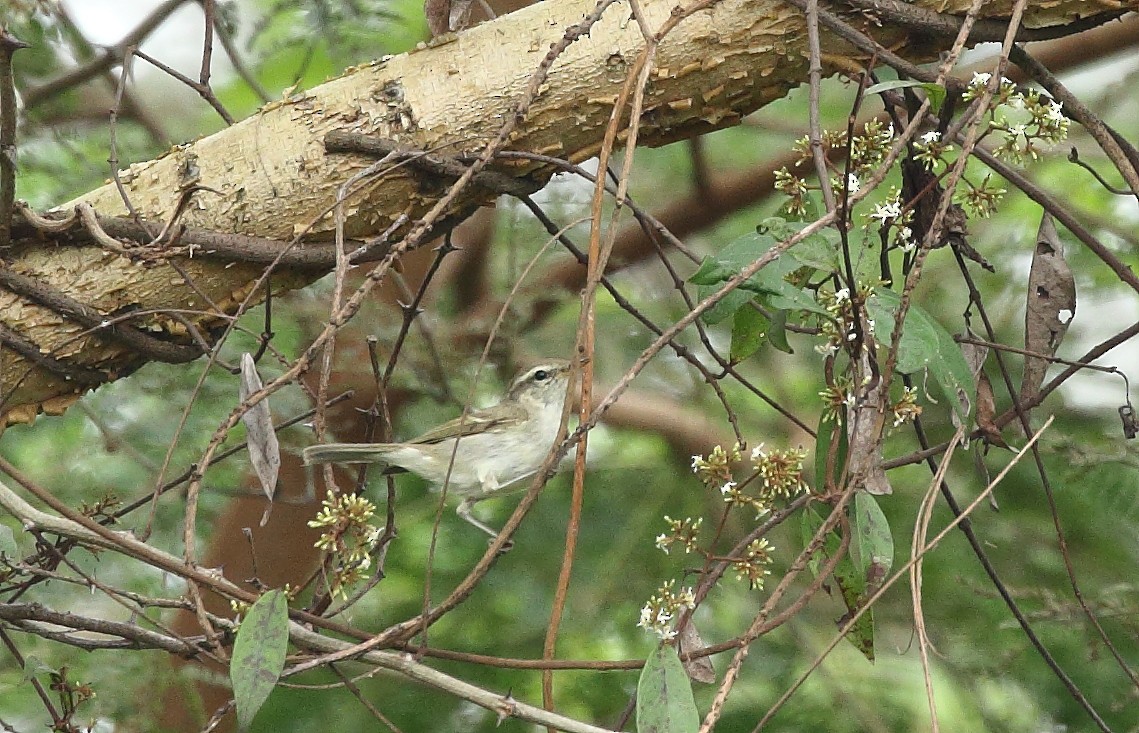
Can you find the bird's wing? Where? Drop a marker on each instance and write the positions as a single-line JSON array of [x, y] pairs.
[[477, 421]]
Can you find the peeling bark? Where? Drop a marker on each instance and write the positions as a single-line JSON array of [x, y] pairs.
[[270, 176]]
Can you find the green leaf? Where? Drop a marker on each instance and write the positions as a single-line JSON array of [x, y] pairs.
[[712, 272], [728, 306], [33, 667], [259, 654], [935, 92], [664, 695], [875, 542], [851, 583], [735, 256], [777, 332], [8, 546], [748, 330], [925, 345]]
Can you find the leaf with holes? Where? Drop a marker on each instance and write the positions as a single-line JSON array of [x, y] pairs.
[[1050, 308]]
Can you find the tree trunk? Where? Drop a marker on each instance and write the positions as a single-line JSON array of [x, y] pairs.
[[270, 177]]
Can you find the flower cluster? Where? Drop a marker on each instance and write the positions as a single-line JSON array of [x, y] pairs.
[[715, 470], [837, 397], [660, 612], [867, 150], [980, 199], [1020, 122], [240, 608], [1029, 124], [930, 149], [1023, 122], [838, 329], [101, 510], [780, 470], [775, 474], [348, 536], [906, 408], [892, 216], [683, 532], [754, 563]]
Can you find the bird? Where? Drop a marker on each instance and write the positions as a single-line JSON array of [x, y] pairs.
[[496, 447]]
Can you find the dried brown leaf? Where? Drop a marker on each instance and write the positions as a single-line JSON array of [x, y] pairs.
[[698, 669], [1051, 306], [975, 356], [264, 451], [866, 433]]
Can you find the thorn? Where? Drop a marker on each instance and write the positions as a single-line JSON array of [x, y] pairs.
[[409, 311], [508, 708]]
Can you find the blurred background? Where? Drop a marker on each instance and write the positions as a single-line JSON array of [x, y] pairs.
[[129, 436]]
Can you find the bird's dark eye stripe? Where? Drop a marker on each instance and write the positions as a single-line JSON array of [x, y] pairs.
[[541, 375]]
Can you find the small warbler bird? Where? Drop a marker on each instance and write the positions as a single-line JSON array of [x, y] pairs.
[[497, 447]]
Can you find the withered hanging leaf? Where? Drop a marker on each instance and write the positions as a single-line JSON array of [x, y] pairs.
[[987, 412], [1051, 306], [699, 669], [975, 356], [264, 451], [866, 430]]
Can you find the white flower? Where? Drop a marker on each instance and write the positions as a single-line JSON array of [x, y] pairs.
[[887, 211], [828, 349], [841, 295], [852, 183], [1056, 112], [757, 452], [930, 137], [696, 461], [662, 543], [980, 79], [727, 488]]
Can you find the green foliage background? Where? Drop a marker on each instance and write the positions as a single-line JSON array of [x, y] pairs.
[[986, 675]]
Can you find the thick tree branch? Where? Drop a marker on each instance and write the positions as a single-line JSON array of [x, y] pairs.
[[270, 177]]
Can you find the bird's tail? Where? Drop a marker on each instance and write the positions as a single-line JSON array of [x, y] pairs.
[[346, 453]]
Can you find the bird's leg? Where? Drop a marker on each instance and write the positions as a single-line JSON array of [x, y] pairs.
[[464, 511]]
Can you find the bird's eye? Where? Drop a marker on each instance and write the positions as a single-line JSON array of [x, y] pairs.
[[541, 375]]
